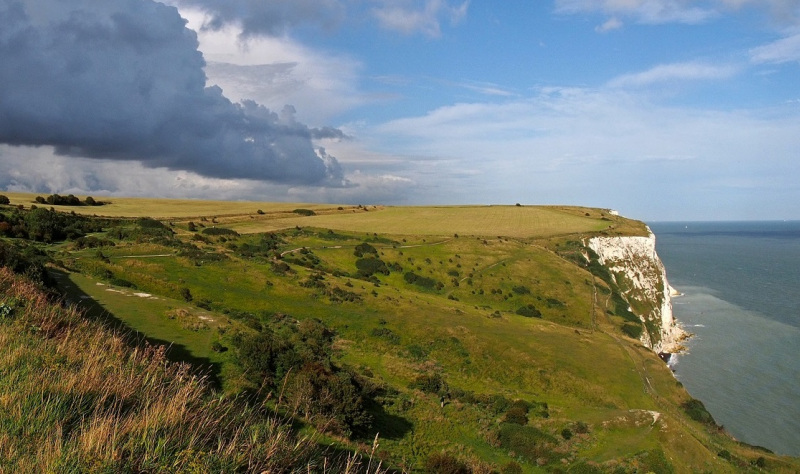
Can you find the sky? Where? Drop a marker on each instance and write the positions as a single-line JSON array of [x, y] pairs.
[[659, 109]]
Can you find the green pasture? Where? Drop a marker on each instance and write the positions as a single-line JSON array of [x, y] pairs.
[[484, 264]]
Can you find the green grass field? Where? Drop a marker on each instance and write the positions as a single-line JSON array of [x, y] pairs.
[[480, 265]]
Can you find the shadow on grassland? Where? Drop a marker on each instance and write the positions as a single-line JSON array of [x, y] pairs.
[[94, 310]]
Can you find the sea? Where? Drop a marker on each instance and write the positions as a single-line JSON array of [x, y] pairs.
[[741, 300]]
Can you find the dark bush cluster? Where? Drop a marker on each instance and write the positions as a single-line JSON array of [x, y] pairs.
[[526, 441], [370, 266], [220, 231], [529, 311], [430, 383], [295, 357], [304, 212], [45, 225], [364, 248], [445, 463], [70, 200], [424, 282], [697, 411], [387, 334]]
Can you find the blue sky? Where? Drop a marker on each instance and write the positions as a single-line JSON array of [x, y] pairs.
[[661, 109]]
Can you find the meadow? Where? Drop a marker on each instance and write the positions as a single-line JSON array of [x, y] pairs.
[[476, 340]]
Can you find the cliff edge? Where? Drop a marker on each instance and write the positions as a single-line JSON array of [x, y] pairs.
[[642, 281]]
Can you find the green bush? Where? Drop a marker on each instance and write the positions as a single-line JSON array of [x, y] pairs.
[[370, 266], [305, 212], [445, 463], [632, 330], [4, 200], [429, 383], [220, 231], [529, 311], [697, 411], [526, 441]]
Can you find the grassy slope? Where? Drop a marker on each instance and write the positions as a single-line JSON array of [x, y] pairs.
[[573, 358], [76, 396]]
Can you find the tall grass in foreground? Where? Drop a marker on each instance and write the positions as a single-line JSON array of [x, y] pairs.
[[75, 397]]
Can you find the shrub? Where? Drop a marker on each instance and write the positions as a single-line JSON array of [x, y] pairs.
[[186, 294], [697, 411], [632, 330], [4, 200], [370, 266], [386, 333], [429, 383], [529, 311], [417, 352], [445, 463], [517, 415], [304, 212], [220, 231], [364, 248], [521, 290], [424, 282], [526, 441]]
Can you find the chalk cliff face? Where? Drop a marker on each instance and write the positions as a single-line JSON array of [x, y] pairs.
[[642, 279]]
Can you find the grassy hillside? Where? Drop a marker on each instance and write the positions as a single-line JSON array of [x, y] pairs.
[[472, 337]]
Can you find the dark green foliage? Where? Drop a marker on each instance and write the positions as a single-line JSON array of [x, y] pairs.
[[364, 248], [697, 411], [526, 441], [529, 311], [521, 290], [430, 383], [264, 247], [338, 295], [517, 415], [4, 201], [217, 231], [387, 334], [417, 352], [370, 266], [554, 303], [49, 226], [296, 358], [725, 454], [632, 330], [57, 200], [566, 433], [24, 259], [186, 294], [304, 212], [654, 461], [512, 467], [92, 242], [424, 282], [445, 463], [281, 268]]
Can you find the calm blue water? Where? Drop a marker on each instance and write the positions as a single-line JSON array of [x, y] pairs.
[[741, 285]]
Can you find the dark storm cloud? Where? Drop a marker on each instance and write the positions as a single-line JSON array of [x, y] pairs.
[[123, 79], [269, 17]]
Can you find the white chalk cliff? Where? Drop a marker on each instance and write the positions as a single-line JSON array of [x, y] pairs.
[[642, 279]]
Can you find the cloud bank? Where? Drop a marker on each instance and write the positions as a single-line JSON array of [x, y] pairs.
[[123, 80]]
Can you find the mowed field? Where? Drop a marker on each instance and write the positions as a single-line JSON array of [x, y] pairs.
[[254, 217]]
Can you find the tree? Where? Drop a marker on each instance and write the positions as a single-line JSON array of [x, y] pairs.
[[4, 200]]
